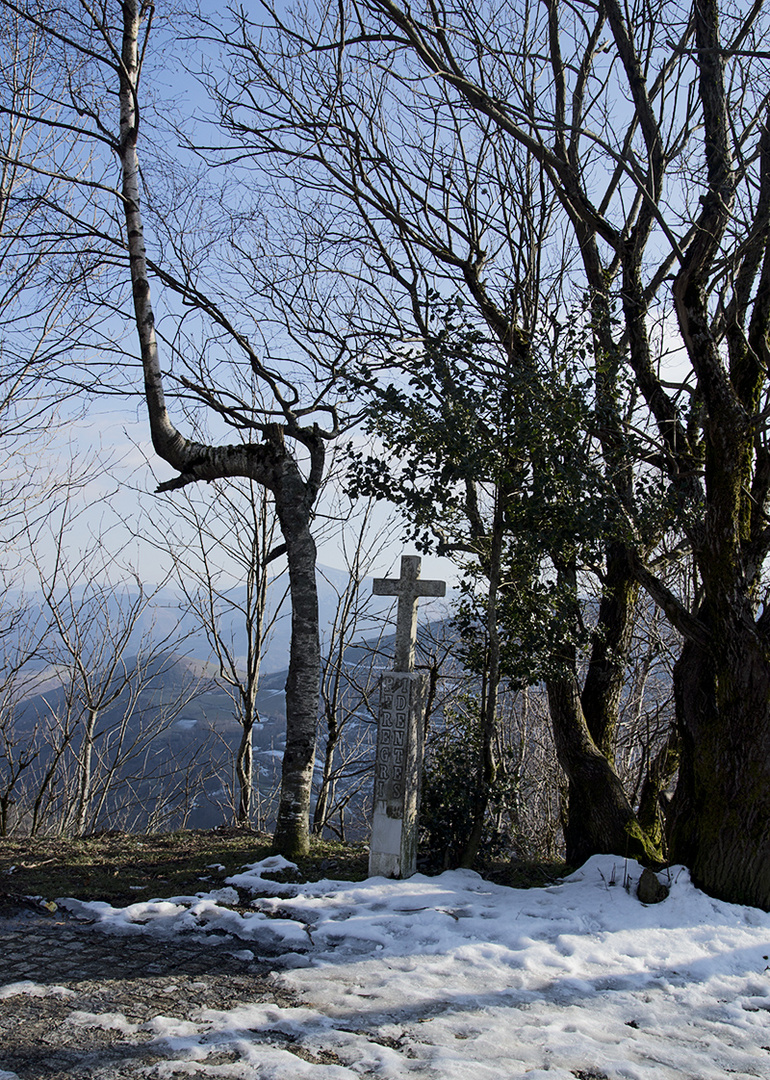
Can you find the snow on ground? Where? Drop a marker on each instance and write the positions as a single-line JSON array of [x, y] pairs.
[[454, 978]]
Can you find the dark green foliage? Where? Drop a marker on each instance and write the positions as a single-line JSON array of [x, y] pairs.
[[535, 621], [465, 414], [453, 787], [471, 422]]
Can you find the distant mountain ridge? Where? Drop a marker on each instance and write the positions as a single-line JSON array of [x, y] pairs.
[[200, 737], [168, 617]]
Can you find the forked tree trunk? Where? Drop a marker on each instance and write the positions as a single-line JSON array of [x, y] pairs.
[[84, 773], [606, 675], [601, 819]]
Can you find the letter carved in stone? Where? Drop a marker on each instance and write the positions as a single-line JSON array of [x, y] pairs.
[[391, 742]]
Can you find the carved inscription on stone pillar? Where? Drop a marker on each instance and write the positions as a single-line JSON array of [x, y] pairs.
[[390, 764]]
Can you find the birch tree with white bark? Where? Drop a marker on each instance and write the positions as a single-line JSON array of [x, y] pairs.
[[282, 441]]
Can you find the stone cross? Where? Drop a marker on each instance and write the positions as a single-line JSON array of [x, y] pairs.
[[408, 588], [400, 733]]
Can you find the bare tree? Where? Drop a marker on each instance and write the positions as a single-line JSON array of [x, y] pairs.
[[284, 437], [83, 720], [350, 669], [40, 268], [19, 750], [232, 535], [103, 699]]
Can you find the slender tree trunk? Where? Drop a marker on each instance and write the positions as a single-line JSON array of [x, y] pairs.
[[45, 785], [324, 793], [85, 773], [304, 678], [487, 763], [6, 802], [244, 772], [244, 760], [18, 767]]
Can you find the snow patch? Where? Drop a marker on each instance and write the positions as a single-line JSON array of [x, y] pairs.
[[32, 989], [456, 978]]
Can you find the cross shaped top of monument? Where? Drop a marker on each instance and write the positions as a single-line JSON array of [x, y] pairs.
[[408, 589]]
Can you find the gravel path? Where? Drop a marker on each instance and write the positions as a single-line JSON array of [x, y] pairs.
[[64, 987]]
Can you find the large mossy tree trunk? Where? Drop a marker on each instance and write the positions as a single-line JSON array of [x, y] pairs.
[[720, 814], [721, 809]]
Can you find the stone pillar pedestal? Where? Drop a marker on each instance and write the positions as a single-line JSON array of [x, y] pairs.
[[397, 774]]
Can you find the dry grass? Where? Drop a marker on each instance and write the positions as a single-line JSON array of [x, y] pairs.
[[121, 867], [124, 867]]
